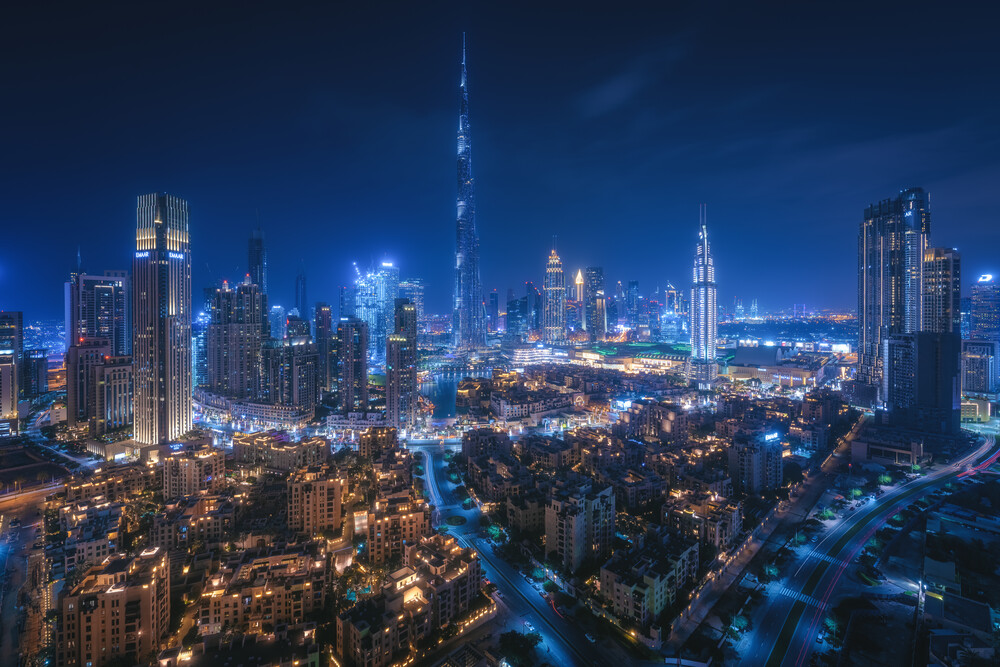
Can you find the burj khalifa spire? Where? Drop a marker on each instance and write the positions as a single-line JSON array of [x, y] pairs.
[[468, 318]]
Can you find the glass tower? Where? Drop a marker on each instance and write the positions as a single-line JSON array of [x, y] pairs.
[[704, 311], [468, 315], [554, 309]]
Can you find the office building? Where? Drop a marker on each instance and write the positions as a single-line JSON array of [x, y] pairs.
[[755, 462], [81, 361], [704, 311], [257, 259], [980, 367], [985, 318], [161, 344], [111, 395], [942, 291], [892, 242], [12, 363], [301, 297], [594, 303], [100, 307], [352, 365], [402, 391], [325, 342], [234, 341], [199, 348], [289, 370], [374, 300], [315, 497], [493, 312], [276, 318], [414, 291], [468, 326], [554, 309], [193, 469], [34, 379], [921, 384], [119, 612], [579, 525]]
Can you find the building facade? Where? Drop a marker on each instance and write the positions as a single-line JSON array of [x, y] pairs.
[[554, 313], [704, 311], [161, 298]]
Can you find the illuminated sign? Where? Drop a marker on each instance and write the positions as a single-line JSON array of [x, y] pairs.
[[140, 255], [986, 278], [770, 436], [176, 255]]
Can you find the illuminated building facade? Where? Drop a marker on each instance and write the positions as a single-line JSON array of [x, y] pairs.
[[986, 308], [99, 307], [352, 365], [554, 313], [193, 469], [594, 303], [325, 345], [892, 241], [161, 345], [257, 259], [234, 340], [375, 298], [704, 310], [942, 292], [401, 368], [468, 326]]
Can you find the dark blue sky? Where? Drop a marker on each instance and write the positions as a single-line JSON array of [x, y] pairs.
[[607, 128]]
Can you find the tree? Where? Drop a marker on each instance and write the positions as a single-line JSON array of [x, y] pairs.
[[518, 648]]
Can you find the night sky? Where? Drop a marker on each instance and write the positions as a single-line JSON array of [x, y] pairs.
[[606, 128]]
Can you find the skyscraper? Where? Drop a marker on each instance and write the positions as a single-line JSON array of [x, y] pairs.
[[493, 311], [257, 259], [594, 303], [161, 345], [99, 307], [413, 290], [578, 282], [892, 238], [375, 297], [986, 308], [324, 344], [554, 314], [467, 319], [632, 303], [352, 364], [11, 354], [401, 367], [301, 300], [276, 318], [942, 291], [235, 340], [704, 311]]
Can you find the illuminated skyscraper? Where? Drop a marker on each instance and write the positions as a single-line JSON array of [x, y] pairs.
[[11, 355], [98, 307], [892, 239], [704, 311], [375, 298], [986, 308], [324, 345], [942, 291], [234, 341], [301, 298], [257, 259], [161, 344], [413, 290], [594, 303], [401, 368], [468, 325], [554, 309], [352, 364], [579, 285]]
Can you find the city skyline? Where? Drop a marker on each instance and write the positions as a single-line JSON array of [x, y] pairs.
[[931, 149]]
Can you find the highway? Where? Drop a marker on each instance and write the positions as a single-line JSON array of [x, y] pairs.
[[789, 620], [563, 643]]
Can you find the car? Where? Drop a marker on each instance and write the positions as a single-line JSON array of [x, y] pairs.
[[529, 626], [591, 638]]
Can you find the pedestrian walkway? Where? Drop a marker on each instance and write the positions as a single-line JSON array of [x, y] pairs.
[[827, 558], [787, 592]]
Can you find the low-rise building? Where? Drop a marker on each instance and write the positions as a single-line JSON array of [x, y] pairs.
[[92, 529], [526, 512], [119, 610], [394, 522], [579, 524], [315, 499], [712, 520], [449, 575], [114, 482], [254, 589], [276, 450], [193, 519], [193, 469], [640, 583]]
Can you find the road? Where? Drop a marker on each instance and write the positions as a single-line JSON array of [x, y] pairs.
[[26, 507], [563, 643], [793, 612]]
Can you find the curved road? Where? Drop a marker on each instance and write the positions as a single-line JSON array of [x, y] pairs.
[[793, 616]]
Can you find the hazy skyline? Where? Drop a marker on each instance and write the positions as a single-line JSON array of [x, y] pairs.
[[338, 125]]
